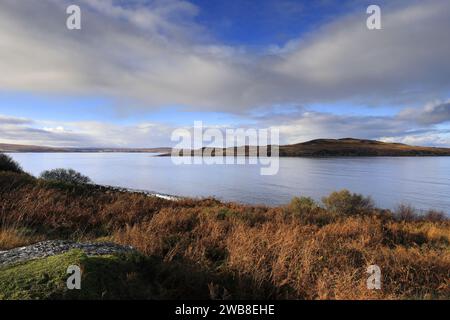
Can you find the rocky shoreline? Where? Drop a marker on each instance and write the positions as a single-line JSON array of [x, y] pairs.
[[53, 247], [146, 192]]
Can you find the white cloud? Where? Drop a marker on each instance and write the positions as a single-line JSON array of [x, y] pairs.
[[83, 134], [4, 120], [157, 55], [403, 61], [298, 125], [428, 139], [435, 112]]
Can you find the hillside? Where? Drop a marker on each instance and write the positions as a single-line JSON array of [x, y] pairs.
[[347, 147], [4, 147], [207, 249], [357, 147], [30, 148]]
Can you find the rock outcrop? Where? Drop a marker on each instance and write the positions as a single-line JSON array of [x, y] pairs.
[[54, 247]]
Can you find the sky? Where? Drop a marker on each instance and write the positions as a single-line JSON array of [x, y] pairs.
[[140, 69]]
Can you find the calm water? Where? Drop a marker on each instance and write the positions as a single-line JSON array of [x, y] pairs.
[[421, 182]]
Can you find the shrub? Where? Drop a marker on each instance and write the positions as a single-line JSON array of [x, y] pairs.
[[435, 216], [308, 211], [346, 203], [299, 205], [405, 213], [66, 176], [8, 164]]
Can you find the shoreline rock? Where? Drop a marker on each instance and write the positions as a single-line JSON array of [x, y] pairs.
[[146, 192]]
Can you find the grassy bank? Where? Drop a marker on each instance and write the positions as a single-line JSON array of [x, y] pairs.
[[209, 249]]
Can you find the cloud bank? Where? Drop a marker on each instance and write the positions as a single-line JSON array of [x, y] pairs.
[[151, 54], [411, 126], [158, 55]]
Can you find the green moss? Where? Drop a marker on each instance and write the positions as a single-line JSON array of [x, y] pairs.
[[103, 277]]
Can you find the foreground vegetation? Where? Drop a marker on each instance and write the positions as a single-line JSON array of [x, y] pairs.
[[104, 277], [203, 248]]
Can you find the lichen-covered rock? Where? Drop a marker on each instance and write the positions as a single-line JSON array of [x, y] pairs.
[[110, 276], [54, 247]]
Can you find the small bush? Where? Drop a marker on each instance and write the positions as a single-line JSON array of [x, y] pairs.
[[299, 205], [8, 164], [405, 213], [308, 211], [66, 176], [345, 203], [435, 216]]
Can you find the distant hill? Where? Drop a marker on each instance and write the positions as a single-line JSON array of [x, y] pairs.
[[347, 147], [30, 148], [357, 147], [24, 148]]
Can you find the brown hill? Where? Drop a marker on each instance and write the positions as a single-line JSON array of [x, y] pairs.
[[347, 147], [4, 147], [357, 147]]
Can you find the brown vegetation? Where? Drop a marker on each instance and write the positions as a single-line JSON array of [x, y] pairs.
[[208, 249], [357, 147]]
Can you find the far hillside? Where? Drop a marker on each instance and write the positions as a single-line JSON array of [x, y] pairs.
[[358, 147], [4, 147], [347, 147]]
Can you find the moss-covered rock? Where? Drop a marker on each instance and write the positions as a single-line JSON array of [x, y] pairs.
[[103, 277]]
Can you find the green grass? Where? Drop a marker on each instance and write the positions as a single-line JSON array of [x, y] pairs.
[[103, 277]]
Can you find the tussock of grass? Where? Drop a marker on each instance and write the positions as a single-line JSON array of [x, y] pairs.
[[11, 237], [208, 249]]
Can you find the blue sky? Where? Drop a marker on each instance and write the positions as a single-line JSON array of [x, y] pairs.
[[265, 22], [140, 69]]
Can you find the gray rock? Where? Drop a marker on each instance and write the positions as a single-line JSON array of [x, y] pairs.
[[139, 191], [54, 247]]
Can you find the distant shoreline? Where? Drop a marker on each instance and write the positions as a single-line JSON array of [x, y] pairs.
[[347, 147], [137, 191]]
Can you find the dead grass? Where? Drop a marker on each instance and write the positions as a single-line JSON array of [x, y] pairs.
[[228, 250], [13, 238]]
